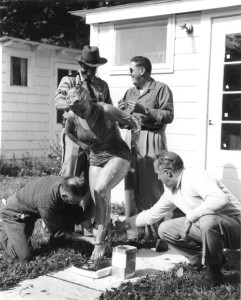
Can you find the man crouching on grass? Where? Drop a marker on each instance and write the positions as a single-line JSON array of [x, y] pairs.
[[56, 200], [212, 221]]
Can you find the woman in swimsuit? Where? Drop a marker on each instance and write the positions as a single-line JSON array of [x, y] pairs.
[[94, 128]]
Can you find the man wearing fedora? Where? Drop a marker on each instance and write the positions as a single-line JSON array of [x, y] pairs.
[[74, 159]]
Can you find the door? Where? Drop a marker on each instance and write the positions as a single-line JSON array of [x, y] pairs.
[[224, 113], [61, 70]]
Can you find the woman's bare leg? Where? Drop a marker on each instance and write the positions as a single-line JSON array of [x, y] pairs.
[[102, 181]]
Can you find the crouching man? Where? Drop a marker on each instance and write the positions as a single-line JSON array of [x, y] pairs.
[[212, 221], [54, 199]]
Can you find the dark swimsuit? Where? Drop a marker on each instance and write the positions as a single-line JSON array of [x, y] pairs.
[[103, 138]]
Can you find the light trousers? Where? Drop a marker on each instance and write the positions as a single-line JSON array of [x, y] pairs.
[[206, 239]]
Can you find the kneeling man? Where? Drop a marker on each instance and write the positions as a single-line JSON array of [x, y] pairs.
[[213, 215], [56, 200]]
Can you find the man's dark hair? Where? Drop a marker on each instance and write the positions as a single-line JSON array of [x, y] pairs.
[[75, 186], [142, 61], [169, 160]]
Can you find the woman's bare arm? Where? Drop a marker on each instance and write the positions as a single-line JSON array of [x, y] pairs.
[[119, 115], [71, 133]]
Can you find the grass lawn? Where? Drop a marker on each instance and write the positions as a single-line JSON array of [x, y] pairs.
[[179, 283]]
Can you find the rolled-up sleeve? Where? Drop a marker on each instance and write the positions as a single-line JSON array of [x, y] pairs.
[[164, 114], [65, 84], [156, 212]]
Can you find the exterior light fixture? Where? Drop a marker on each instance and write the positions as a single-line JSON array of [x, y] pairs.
[[187, 27]]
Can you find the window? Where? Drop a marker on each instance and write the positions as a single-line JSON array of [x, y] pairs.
[[151, 39], [19, 71], [231, 106]]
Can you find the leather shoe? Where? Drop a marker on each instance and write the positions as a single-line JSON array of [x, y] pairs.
[[214, 275], [199, 267], [161, 246]]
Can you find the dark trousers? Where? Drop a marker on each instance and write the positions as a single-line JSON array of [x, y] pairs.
[[16, 228]]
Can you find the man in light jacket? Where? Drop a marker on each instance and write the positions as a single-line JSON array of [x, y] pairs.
[[212, 221]]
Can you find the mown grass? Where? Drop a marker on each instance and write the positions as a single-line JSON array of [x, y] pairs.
[[180, 283]]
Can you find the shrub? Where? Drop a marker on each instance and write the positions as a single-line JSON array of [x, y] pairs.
[[48, 164]]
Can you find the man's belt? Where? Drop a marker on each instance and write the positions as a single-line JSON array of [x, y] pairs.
[[155, 130]]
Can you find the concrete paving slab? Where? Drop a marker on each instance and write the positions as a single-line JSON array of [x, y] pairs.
[[67, 285], [49, 288]]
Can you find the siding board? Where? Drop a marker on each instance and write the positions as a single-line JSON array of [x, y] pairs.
[[25, 108], [185, 110], [25, 126], [22, 117], [25, 136], [187, 45], [12, 98], [182, 126], [182, 142]]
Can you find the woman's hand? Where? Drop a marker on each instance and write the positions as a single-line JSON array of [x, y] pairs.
[[85, 147]]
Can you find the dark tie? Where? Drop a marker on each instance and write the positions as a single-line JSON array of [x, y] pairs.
[[90, 89]]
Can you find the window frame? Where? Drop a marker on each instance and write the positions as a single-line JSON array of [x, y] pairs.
[[12, 77], [30, 56], [166, 67], [64, 66]]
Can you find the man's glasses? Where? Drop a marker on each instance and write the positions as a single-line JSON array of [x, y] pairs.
[[132, 70]]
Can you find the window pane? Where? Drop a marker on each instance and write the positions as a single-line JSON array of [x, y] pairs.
[[60, 116], [231, 107], [232, 77], [19, 68], [231, 137], [61, 74], [233, 47], [147, 40]]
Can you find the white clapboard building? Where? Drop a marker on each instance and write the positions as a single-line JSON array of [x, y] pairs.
[[195, 48], [29, 75]]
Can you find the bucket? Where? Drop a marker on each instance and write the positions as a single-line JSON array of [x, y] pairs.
[[123, 262]]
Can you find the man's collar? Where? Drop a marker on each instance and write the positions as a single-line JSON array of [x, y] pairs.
[[179, 179], [150, 86]]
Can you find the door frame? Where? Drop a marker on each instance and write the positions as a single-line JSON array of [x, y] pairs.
[[210, 23], [59, 65]]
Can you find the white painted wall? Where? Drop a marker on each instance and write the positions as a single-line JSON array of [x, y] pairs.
[[184, 83], [28, 112]]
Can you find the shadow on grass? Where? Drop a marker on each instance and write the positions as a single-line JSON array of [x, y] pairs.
[[46, 259]]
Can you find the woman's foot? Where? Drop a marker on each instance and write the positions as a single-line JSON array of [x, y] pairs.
[[98, 252]]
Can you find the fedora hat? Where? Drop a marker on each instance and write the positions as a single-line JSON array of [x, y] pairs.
[[90, 56]]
